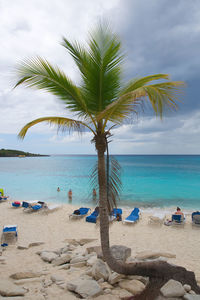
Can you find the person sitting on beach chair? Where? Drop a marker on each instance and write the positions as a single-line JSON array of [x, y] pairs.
[[178, 211]]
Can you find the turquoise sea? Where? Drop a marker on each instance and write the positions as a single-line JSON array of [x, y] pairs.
[[148, 180]]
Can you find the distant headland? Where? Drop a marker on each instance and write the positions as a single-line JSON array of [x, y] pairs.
[[17, 153]]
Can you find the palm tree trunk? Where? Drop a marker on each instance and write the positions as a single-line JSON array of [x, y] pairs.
[[157, 269]]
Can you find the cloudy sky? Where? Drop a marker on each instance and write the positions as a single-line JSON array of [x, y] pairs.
[[159, 36]]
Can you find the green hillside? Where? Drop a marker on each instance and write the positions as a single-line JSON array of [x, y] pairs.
[[17, 153]]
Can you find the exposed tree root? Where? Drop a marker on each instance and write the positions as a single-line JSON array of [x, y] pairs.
[[180, 274]]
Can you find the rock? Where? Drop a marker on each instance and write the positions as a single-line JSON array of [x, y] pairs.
[[85, 241], [61, 260], [121, 293], [107, 291], [120, 252], [24, 275], [106, 297], [27, 281], [78, 264], [88, 288], [65, 249], [105, 285], [78, 259], [130, 260], [135, 287], [79, 251], [150, 254], [64, 267], [192, 292], [191, 297], [34, 244], [96, 249], [47, 283], [89, 272], [9, 289], [115, 277], [100, 270], [91, 260], [48, 256], [23, 246], [172, 288], [85, 287], [72, 242], [57, 278], [144, 280], [187, 287]]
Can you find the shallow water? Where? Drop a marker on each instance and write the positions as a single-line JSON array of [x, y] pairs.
[[147, 180]]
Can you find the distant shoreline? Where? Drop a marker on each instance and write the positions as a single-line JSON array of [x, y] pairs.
[[18, 153]]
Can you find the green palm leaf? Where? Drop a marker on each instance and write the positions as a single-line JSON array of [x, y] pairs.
[[39, 73], [160, 95], [61, 123]]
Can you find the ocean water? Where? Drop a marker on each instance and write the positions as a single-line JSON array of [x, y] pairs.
[[148, 181]]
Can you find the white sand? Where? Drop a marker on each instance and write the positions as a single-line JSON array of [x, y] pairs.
[[55, 227]]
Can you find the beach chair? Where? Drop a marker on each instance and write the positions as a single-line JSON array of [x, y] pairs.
[[16, 204], [133, 217], [79, 213], [196, 218], [31, 207], [93, 217], [178, 219], [3, 198], [9, 235], [114, 213]]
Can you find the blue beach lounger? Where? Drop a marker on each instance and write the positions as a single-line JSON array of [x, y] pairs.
[[133, 217], [9, 234], [16, 204], [79, 213], [3, 198], [178, 219], [196, 218], [93, 217], [114, 213]]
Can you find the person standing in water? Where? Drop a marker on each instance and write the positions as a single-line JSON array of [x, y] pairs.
[[58, 189], [70, 195]]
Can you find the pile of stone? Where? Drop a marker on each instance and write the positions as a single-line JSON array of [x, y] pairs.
[[98, 281], [94, 279]]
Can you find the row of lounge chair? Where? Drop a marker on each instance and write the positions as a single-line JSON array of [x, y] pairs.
[[115, 215], [34, 206], [176, 219], [135, 216]]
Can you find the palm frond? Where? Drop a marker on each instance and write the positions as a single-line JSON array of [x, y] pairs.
[[139, 82], [161, 96], [100, 67], [39, 73], [62, 124], [114, 184]]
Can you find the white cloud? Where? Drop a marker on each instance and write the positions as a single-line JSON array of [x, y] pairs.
[[174, 135]]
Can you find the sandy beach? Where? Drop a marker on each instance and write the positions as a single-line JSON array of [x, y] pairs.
[[54, 228]]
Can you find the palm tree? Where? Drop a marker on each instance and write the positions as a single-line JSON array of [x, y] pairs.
[[100, 101]]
